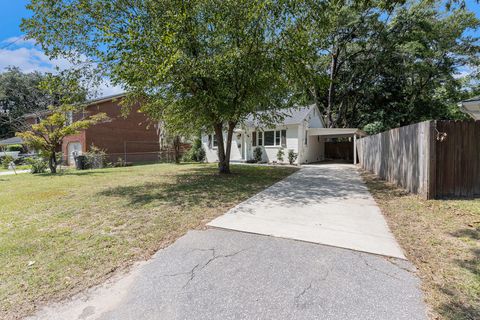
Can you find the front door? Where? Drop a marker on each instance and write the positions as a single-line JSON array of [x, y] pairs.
[[74, 149]]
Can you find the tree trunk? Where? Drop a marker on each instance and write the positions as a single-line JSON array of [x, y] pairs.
[[331, 88], [223, 163], [176, 148], [52, 162]]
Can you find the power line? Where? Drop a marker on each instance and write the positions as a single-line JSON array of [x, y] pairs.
[[12, 42]]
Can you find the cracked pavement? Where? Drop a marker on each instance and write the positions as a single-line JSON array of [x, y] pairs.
[[221, 274]]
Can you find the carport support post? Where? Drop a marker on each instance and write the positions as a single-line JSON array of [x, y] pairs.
[[354, 149]]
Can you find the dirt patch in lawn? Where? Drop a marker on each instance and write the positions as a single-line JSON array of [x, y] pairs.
[[442, 239], [61, 234]]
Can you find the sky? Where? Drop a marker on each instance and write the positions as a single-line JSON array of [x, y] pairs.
[[14, 51]]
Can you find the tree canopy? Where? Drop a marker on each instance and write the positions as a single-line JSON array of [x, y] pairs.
[[207, 64]]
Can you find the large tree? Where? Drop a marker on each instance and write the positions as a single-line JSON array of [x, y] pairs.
[[388, 62], [20, 94], [200, 64]]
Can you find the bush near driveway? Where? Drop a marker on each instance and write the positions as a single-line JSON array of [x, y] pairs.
[[66, 232], [442, 239]]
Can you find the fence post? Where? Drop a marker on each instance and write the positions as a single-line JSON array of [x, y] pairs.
[[432, 160]]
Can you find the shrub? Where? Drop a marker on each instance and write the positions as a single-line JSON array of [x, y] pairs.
[[96, 158], [292, 156], [257, 154], [280, 155], [6, 161], [374, 128], [15, 147], [38, 165], [196, 152]]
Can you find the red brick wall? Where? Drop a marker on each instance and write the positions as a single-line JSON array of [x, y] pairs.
[[80, 137], [136, 131]]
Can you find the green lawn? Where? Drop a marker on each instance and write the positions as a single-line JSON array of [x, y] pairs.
[[442, 239], [20, 167], [61, 234]]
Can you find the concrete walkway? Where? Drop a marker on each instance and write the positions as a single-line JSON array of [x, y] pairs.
[[7, 173], [219, 274], [325, 204]]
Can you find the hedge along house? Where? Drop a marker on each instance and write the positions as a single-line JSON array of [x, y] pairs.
[[134, 138], [302, 130]]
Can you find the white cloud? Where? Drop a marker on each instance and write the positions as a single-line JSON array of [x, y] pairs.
[[19, 41], [28, 57]]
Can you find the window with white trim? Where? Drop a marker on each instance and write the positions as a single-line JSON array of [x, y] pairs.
[[212, 141], [274, 138]]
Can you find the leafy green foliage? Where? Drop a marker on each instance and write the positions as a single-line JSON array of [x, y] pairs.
[[196, 152], [280, 154], [374, 127], [257, 154], [196, 64], [15, 147], [6, 160], [95, 158], [292, 156], [362, 62], [37, 165]]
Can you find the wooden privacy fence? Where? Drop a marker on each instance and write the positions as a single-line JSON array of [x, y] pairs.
[[433, 158]]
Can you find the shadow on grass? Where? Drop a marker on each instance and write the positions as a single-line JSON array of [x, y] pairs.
[[463, 305], [382, 188], [201, 185]]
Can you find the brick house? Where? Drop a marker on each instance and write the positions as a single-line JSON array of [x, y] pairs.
[[133, 138]]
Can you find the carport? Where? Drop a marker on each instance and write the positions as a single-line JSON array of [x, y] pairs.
[[339, 133]]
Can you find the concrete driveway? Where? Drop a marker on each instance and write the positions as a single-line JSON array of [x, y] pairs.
[[325, 204], [225, 274], [220, 274]]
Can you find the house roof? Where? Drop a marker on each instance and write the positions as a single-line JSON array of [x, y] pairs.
[[294, 115], [477, 98], [335, 132], [106, 98], [471, 107], [13, 140]]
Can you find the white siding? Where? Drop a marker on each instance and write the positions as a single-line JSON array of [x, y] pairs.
[[269, 152], [211, 152]]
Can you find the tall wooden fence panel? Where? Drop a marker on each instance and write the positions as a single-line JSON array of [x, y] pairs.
[[401, 156], [457, 158]]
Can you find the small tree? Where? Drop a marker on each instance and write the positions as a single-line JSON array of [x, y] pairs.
[[292, 156], [280, 155], [257, 154], [48, 135]]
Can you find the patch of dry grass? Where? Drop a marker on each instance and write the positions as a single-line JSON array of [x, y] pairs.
[[442, 239], [60, 234]]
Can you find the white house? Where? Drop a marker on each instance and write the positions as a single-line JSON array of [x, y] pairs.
[[302, 130]]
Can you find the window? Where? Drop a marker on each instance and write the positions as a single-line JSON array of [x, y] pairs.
[[212, 141], [277, 138], [69, 117], [306, 137], [270, 138]]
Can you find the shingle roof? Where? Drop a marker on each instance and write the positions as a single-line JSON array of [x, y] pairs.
[[13, 140], [477, 98], [294, 115]]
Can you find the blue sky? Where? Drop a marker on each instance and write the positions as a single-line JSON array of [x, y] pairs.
[[15, 51], [24, 54]]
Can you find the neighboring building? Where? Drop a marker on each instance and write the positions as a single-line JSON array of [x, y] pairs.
[[471, 107], [133, 138], [302, 130]]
